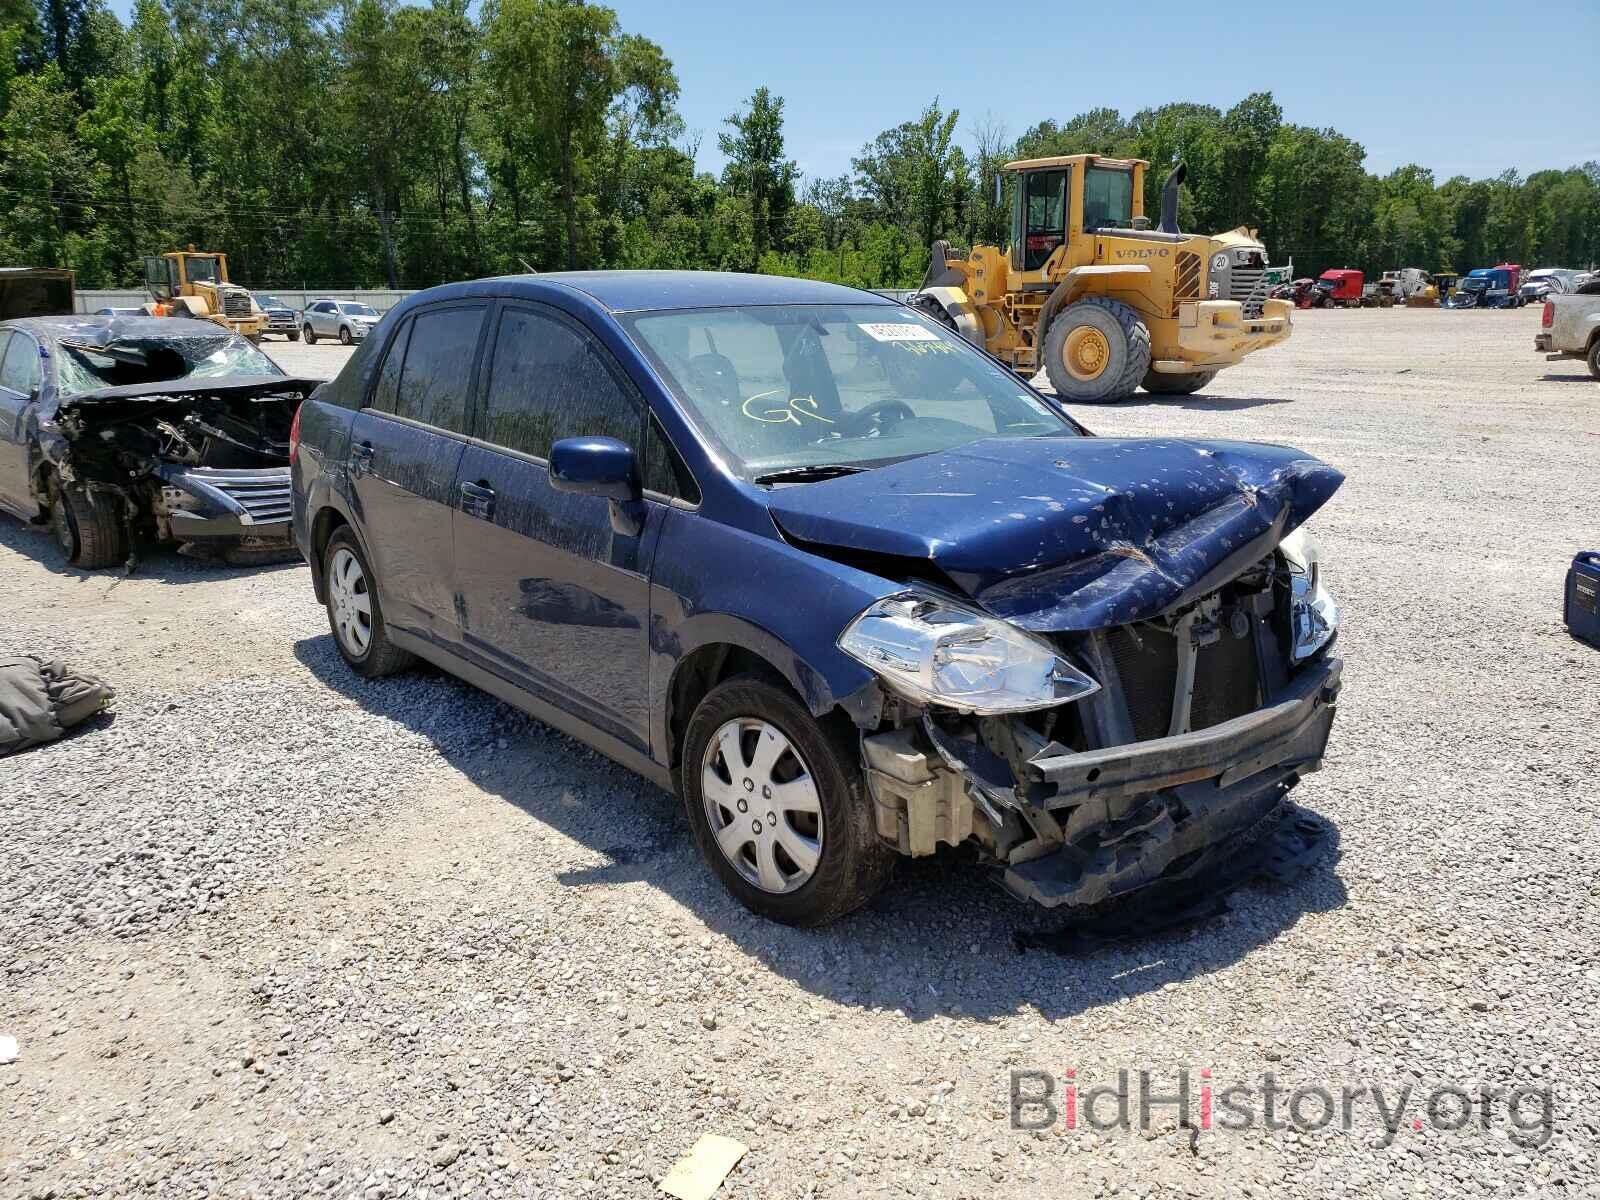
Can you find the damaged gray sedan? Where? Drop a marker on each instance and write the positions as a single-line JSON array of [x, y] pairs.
[[127, 429]]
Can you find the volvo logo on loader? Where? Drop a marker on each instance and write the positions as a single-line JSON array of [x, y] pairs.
[[1162, 253]]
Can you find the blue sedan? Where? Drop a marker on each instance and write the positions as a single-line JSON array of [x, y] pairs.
[[833, 575]]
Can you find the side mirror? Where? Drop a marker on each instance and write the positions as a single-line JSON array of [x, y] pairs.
[[605, 467]]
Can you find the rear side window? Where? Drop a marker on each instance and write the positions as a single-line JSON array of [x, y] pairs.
[[387, 393], [436, 371], [548, 381]]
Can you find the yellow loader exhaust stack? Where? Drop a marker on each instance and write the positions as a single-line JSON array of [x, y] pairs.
[[1098, 299]]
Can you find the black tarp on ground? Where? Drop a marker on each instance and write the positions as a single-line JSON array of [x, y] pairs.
[[40, 699]]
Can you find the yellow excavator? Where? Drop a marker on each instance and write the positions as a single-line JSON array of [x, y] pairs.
[[1101, 301], [194, 283]]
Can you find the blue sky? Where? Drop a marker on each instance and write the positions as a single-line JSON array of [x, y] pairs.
[[1469, 88]]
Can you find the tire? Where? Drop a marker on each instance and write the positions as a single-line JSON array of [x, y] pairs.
[[1115, 345], [1177, 385], [310, 334], [344, 335], [89, 528], [1594, 358], [372, 655], [850, 866], [293, 335], [929, 307]]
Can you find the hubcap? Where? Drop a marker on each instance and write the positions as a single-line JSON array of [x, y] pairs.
[[351, 602], [762, 805], [1086, 353]]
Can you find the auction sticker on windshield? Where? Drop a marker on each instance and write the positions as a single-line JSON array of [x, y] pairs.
[[886, 331]]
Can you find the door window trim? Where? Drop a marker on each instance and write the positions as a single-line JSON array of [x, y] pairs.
[[20, 335]]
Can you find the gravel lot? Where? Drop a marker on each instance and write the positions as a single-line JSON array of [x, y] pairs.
[[273, 930]]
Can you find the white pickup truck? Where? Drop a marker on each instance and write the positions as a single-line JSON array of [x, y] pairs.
[[1570, 327]]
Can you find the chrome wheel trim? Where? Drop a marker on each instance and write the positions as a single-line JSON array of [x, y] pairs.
[[351, 603], [762, 805]]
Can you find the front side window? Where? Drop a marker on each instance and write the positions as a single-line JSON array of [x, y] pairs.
[[86, 366], [1107, 198], [1045, 210], [19, 364], [436, 376], [547, 382], [780, 387]]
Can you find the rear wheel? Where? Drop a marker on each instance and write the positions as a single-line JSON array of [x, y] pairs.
[[310, 334], [293, 335], [778, 805], [354, 613], [1177, 385], [1096, 351], [89, 528]]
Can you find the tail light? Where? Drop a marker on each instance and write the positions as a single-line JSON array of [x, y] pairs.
[[1549, 317], [294, 432]]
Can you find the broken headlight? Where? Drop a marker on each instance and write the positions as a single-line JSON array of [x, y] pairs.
[[1313, 614], [937, 651]]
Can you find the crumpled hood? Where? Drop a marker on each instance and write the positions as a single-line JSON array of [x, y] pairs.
[[1069, 534]]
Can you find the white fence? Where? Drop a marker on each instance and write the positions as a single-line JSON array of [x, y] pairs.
[[93, 301]]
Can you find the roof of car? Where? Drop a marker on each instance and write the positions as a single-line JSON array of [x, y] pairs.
[[636, 291], [108, 329]]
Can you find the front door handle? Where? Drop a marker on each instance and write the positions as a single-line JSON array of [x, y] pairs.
[[477, 500]]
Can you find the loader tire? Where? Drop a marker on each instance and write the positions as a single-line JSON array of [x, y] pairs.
[[1096, 351], [931, 308], [1177, 385], [89, 528]]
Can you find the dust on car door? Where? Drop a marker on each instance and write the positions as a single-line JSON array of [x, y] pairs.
[[21, 374], [404, 448], [552, 596]]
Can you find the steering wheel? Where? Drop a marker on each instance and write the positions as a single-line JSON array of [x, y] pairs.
[[873, 415]]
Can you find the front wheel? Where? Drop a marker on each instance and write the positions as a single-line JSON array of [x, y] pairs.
[[354, 613], [779, 807], [89, 528], [344, 335], [1177, 385], [1594, 358], [1096, 351], [293, 335], [310, 334]]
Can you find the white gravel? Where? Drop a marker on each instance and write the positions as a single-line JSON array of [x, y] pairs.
[[273, 930]]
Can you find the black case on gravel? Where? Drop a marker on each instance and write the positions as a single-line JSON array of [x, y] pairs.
[[1582, 609]]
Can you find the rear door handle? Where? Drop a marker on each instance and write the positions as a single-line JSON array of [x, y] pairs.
[[360, 458], [477, 500]]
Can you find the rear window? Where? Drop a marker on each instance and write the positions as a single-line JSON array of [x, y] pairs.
[[436, 375], [84, 366]]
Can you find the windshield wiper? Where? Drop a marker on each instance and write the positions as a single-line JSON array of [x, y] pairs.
[[810, 473]]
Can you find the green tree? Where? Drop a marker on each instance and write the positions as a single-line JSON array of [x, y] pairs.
[[757, 169]]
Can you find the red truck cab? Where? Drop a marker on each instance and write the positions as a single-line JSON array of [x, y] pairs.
[[1342, 285], [1516, 275]]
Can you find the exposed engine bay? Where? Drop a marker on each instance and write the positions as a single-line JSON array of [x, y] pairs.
[[1204, 718]]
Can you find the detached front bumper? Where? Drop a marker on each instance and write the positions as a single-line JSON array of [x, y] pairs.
[[1130, 814], [215, 505], [1216, 333]]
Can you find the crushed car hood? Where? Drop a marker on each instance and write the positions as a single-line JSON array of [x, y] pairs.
[[243, 387], [1066, 534]]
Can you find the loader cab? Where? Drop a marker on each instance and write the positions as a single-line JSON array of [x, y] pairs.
[[168, 275], [1056, 200]]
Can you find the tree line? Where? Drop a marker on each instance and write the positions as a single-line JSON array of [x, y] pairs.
[[374, 143]]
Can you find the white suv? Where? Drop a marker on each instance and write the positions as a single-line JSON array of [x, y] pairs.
[[347, 320]]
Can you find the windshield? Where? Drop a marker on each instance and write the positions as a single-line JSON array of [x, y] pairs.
[[787, 386], [1107, 198], [269, 302], [351, 309], [1475, 283], [83, 367], [201, 270]]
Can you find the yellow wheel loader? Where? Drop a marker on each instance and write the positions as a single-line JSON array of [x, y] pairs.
[[192, 283], [1098, 299]]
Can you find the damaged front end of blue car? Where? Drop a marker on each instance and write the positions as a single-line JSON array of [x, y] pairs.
[[1112, 658]]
